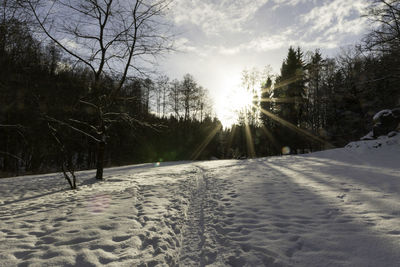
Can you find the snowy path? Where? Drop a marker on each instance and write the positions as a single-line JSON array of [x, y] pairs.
[[193, 240], [333, 208], [284, 211]]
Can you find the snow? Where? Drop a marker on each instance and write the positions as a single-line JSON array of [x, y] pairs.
[[339, 207], [382, 113], [368, 136]]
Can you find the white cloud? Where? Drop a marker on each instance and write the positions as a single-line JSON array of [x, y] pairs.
[[69, 43], [269, 42], [280, 3], [324, 26], [338, 16], [229, 50], [213, 16], [183, 44], [229, 42]]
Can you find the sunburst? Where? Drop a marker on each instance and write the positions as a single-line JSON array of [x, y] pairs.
[[236, 101], [232, 101]]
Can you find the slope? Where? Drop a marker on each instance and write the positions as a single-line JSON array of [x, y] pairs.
[[333, 208]]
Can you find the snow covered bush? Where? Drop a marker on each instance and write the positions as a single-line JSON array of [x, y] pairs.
[[386, 121]]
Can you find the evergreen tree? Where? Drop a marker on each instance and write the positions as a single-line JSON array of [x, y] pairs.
[[290, 92], [266, 93], [314, 92]]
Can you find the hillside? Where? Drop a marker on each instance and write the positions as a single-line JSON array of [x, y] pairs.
[[338, 207]]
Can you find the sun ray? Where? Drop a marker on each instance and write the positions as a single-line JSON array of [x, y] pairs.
[[249, 142], [279, 100], [271, 137], [231, 136], [296, 128], [204, 144], [233, 100], [287, 82]]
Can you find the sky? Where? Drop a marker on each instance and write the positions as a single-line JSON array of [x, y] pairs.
[[217, 39]]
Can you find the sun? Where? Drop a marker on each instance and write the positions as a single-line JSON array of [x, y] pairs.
[[231, 101]]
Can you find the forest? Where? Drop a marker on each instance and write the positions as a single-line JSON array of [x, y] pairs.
[[62, 112]]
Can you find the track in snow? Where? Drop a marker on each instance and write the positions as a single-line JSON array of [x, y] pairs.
[[192, 253], [200, 243], [333, 208]]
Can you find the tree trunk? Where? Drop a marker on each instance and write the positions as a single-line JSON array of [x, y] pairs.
[[100, 160]]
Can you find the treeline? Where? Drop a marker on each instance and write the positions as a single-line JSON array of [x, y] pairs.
[[41, 114], [317, 103], [57, 114]]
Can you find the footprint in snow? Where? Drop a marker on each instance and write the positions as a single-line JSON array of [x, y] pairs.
[[341, 196], [298, 246], [120, 238], [394, 233]]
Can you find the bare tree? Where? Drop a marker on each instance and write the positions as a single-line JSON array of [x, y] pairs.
[[384, 38], [9, 10], [385, 18], [190, 95], [189, 98], [148, 88], [203, 103], [110, 37], [10, 15], [175, 97], [251, 82], [162, 89], [64, 158]]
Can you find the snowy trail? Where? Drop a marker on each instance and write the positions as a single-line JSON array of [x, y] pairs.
[[333, 208], [282, 215], [193, 233], [201, 243]]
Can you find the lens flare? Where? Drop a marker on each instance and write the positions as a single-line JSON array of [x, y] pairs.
[[285, 150]]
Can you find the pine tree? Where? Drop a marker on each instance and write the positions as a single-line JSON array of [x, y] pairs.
[[266, 92], [314, 91], [291, 87], [290, 91]]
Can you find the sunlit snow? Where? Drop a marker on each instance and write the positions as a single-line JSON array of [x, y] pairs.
[[334, 208]]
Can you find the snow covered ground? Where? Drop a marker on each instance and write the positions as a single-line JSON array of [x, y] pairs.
[[334, 208]]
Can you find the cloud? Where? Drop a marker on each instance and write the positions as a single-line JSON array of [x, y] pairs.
[[221, 37], [68, 43], [228, 50], [323, 24], [213, 16], [183, 44], [280, 3], [268, 43], [336, 17], [264, 43]]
